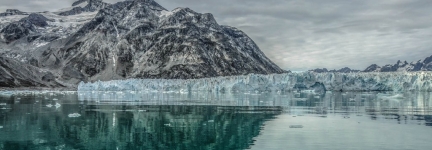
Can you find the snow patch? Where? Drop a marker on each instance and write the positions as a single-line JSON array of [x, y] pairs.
[[165, 13]]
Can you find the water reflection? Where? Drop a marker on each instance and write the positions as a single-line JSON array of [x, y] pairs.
[[33, 126], [135, 120]]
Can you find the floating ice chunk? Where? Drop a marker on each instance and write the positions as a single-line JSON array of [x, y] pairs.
[[1, 127], [55, 99], [39, 141], [296, 126], [74, 115], [49, 105], [57, 105], [2, 104]]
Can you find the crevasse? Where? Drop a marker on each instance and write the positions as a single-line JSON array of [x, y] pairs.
[[394, 81]]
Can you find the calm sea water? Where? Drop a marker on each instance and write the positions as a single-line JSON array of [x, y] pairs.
[[135, 120]]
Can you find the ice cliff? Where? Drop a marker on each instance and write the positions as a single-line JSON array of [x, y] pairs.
[[318, 82]]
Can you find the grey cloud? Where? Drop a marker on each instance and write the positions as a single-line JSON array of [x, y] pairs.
[[308, 34]]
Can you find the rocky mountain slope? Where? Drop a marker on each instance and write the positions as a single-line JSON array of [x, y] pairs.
[[95, 41]]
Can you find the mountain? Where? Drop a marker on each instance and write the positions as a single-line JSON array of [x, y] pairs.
[[11, 12], [82, 6], [425, 65], [129, 39], [342, 70], [421, 65]]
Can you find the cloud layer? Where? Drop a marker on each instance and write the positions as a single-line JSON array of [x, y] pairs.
[[308, 34]]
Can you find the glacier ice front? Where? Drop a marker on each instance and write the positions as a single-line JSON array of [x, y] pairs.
[[317, 82]]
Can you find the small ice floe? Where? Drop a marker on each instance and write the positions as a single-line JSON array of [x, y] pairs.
[[141, 110], [55, 99], [2, 104], [1, 127], [60, 146], [57, 105], [295, 126], [74, 115], [49, 105], [210, 121], [39, 141]]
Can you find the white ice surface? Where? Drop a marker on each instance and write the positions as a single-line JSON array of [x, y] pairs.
[[396, 81]]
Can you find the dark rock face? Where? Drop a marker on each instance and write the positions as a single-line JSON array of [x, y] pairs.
[[425, 65], [23, 27], [17, 74], [140, 39]]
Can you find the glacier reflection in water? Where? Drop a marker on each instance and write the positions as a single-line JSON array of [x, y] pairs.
[[147, 120]]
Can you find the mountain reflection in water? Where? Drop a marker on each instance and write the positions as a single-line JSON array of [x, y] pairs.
[[138, 120]]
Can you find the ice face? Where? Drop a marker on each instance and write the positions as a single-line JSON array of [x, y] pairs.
[[317, 82]]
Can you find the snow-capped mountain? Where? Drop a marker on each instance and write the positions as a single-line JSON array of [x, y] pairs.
[[425, 65], [81, 6], [11, 12], [342, 70], [94, 41]]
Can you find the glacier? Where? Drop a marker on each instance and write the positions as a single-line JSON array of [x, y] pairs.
[[309, 81]]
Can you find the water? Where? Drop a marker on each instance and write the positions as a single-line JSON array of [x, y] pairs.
[[135, 120]]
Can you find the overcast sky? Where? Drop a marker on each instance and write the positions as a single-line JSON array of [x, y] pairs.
[[307, 34]]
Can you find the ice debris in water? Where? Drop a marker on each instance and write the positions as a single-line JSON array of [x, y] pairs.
[[57, 105], [2, 104], [1, 127], [296, 126], [49, 105], [74, 115], [393, 81]]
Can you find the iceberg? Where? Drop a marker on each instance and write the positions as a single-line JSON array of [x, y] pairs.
[[74, 115], [315, 82]]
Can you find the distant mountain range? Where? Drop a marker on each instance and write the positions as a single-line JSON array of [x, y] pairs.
[[342, 70], [421, 65], [93, 40]]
